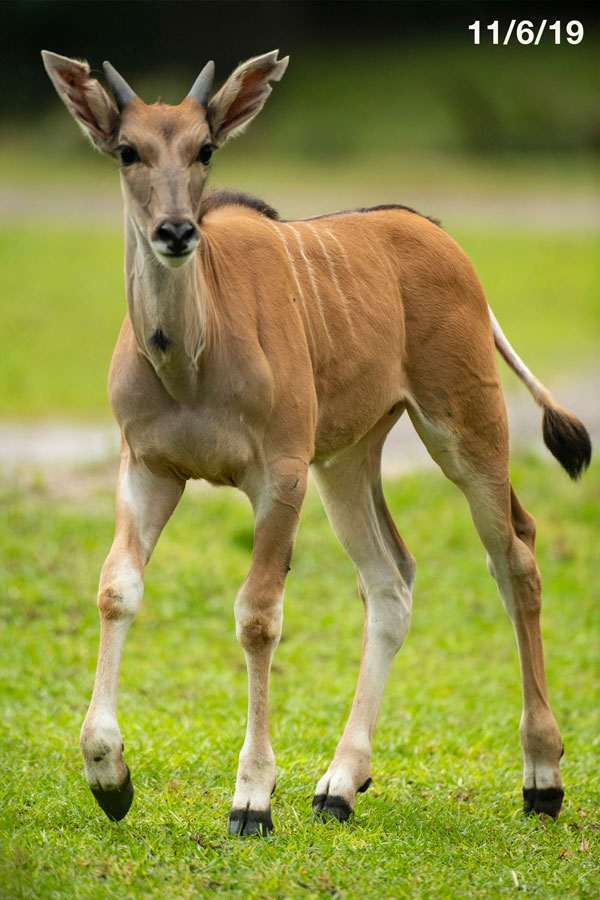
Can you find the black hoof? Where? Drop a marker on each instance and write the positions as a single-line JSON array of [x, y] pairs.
[[116, 804], [249, 821], [365, 787], [543, 800], [330, 806]]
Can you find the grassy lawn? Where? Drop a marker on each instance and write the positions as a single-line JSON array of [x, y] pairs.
[[443, 816], [62, 315]]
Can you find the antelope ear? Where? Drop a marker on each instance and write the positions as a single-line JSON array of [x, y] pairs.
[[85, 98], [243, 95]]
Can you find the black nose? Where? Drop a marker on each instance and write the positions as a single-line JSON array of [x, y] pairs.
[[176, 235]]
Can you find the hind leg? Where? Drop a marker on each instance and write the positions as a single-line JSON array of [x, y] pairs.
[[540, 737], [350, 487], [477, 461]]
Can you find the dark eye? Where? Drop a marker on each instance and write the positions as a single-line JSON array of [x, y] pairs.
[[128, 155], [205, 154]]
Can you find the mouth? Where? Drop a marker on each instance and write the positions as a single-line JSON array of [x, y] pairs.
[[174, 260]]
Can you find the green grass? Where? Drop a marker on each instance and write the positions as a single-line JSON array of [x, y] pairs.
[[62, 306], [545, 291], [443, 816], [63, 302]]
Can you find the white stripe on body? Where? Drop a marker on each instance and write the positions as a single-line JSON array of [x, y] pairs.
[[342, 249], [296, 279], [311, 275], [345, 257], [334, 277]]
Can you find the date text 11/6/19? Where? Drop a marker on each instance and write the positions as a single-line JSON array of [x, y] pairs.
[[526, 32]]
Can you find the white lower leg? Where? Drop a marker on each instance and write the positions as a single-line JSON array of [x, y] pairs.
[[386, 626], [258, 629], [520, 589], [350, 488], [119, 599], [511, 561], [258, 616], [256, 771]]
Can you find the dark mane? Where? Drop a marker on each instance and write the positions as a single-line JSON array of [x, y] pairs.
[[213, 199], [368, 209]]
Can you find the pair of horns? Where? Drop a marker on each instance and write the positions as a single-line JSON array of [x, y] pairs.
[[123, 94]]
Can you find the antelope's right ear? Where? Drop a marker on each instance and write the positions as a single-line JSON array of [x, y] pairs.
[[85, 98]]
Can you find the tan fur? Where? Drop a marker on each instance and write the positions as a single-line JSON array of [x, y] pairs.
[[291, 344]]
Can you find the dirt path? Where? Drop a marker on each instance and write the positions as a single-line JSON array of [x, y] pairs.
[[535, 209]]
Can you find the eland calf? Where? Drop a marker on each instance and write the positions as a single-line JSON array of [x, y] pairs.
[[254, 348]]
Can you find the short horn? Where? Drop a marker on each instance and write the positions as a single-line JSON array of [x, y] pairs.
[[201, 88], [121, 90]]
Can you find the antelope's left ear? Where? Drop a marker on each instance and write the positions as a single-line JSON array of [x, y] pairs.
[[85, 98], [243, 95]]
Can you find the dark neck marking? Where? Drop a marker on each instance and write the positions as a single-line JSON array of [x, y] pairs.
[[160, 341]]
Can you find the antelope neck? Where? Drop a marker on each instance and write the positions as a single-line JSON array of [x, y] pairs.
[[168, 313]]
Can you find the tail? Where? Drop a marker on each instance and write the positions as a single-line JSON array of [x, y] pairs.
[[564, 435]]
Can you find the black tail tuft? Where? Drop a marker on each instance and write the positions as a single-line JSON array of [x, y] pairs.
[[567, 439]]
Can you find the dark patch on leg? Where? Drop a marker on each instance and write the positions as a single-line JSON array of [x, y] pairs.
[[160, 341], [287, 566], [244, 822], [528, 798], [365, 787], [115, 804], [327, 806], [543, 800]]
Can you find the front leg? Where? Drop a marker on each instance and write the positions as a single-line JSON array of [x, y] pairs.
[[258, 615], [144, 504]]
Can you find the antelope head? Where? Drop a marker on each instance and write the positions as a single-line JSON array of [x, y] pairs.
[[164, 152]]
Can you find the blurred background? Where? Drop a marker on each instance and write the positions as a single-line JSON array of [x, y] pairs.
[[382, 102]]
